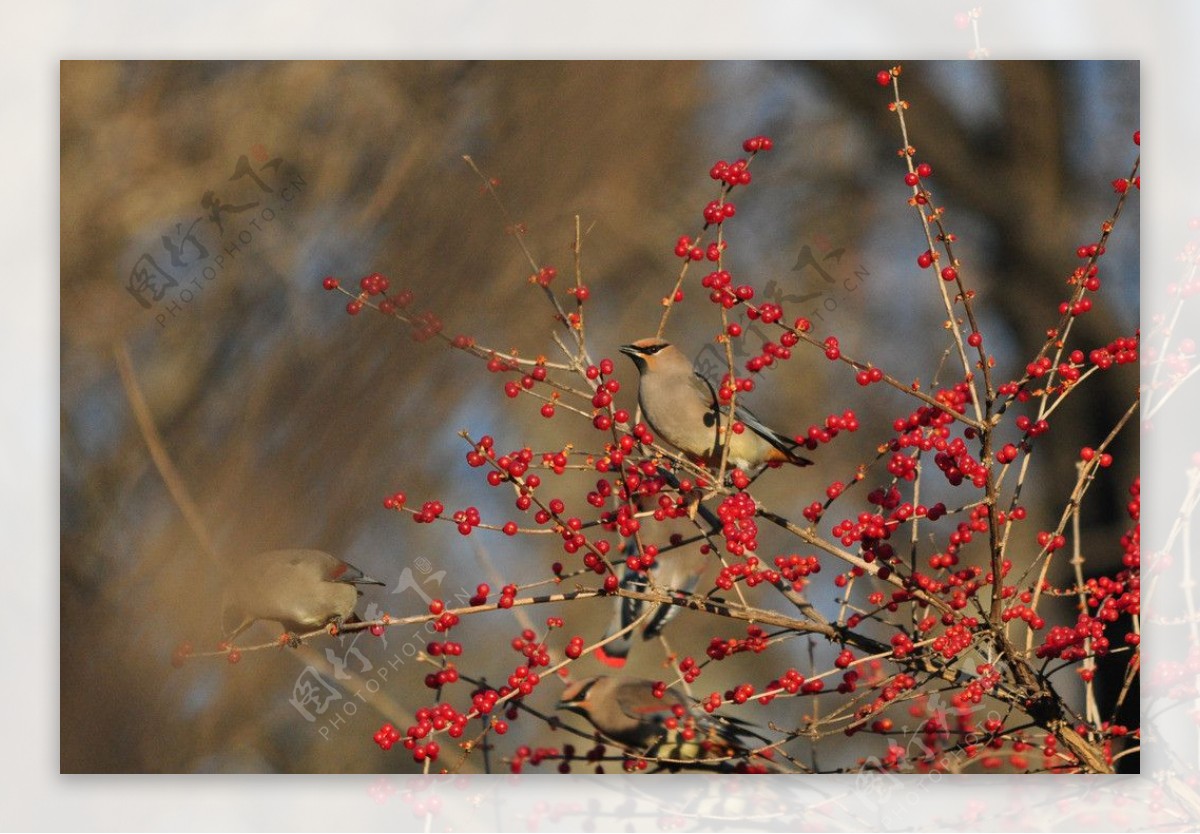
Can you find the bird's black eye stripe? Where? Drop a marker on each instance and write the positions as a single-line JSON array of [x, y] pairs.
[[650, 350], [583, 693]]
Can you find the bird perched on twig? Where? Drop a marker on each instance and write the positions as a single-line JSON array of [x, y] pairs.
[[682, 407], [677, 573], [302, 590], [629, 712]]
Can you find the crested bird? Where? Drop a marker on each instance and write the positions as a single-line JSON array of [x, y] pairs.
[[302, 590], [676, 573], [627, 711], [682, 408]]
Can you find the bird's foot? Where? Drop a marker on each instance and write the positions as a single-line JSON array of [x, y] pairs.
[[289, 638], [335, 625]]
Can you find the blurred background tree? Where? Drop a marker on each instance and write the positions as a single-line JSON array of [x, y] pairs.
[[288, 422]]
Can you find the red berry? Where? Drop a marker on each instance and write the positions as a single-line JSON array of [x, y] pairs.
[[330, 283], [925, 259], [949, 274], [924, 170], [883, 78]]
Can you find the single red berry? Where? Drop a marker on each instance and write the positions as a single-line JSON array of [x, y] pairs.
[[924, 170], [883, 78], [548, 410], [911, 179], [925, 259], [975, 339], [949, 274]]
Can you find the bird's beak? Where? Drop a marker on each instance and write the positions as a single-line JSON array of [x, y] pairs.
[[630, 350], [353, 576]]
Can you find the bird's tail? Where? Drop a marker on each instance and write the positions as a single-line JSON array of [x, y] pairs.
[[615, 652]]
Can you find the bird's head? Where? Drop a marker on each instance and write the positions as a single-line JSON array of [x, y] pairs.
[[647, 353], [576, 697]]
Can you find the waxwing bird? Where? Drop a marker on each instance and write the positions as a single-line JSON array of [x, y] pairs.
[[302, 590], [676, 573], [627, 711], [682, 408]]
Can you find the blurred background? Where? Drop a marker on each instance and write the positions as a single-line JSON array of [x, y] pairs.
[[288, 422]]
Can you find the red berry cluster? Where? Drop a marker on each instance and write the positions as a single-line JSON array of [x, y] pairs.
[[443, 676], [957, 464], [689, 669], [1067, 643], [902, 645], [869, 529], [795, 569], [534, 650], [756, 641], [738, 526], [750, 571], [717, 212], [544, 276], [740, 694], [790, 682], [1117, 352], [430, 511], [467, 520], [722, 293], [732, 174], [448, 648], [533, 755], [834, 423], [1022, 611], [954, 642]]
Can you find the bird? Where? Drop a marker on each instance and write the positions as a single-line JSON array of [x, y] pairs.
[[682, 408], [300, 589], [676, 573], [627, 711]]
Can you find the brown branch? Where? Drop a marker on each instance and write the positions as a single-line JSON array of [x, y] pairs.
[[158, 453]]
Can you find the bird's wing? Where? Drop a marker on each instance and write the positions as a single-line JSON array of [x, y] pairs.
[[639, 702], [783, 443]]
